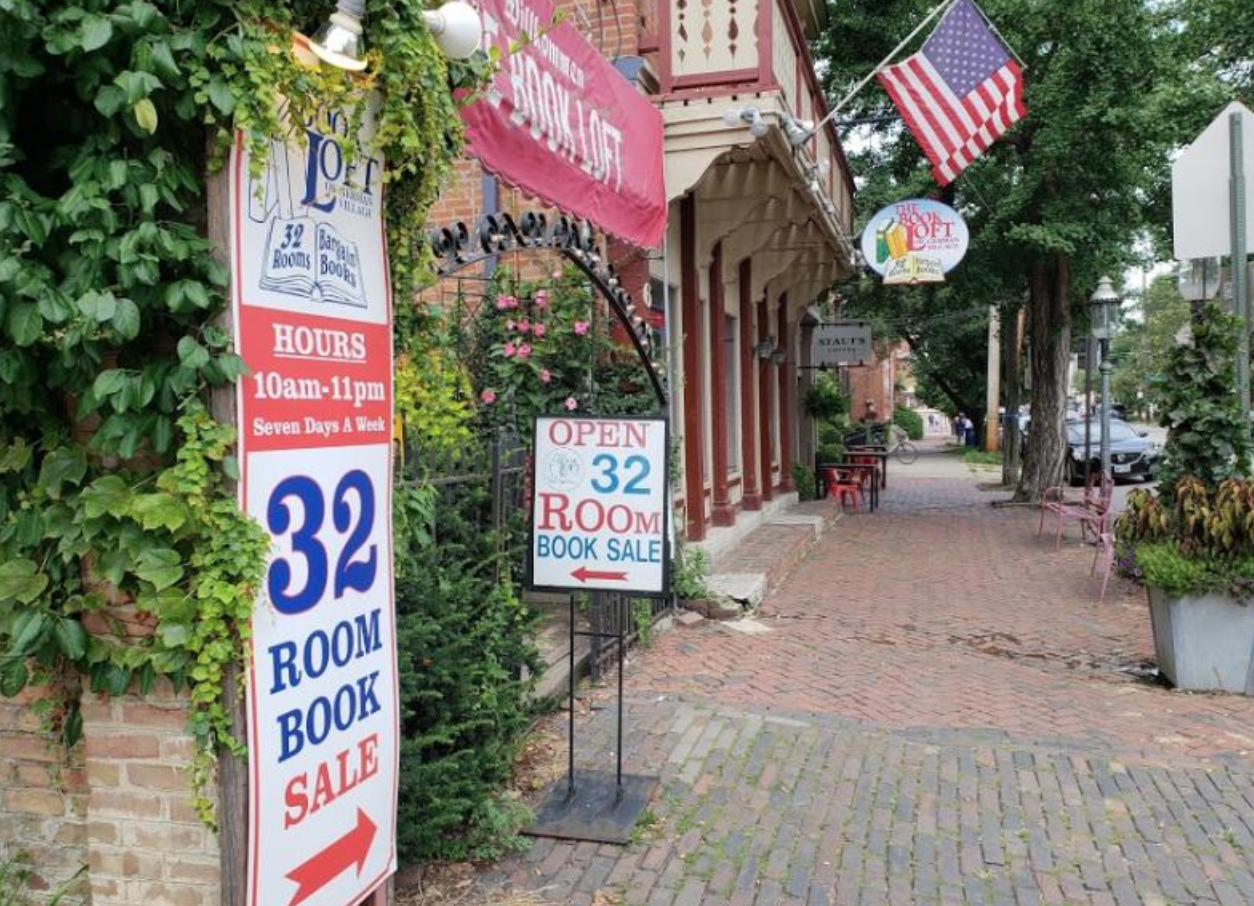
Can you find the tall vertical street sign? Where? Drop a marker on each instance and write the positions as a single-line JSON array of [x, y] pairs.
[[312, 309]]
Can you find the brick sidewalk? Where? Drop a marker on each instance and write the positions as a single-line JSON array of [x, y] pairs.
[[935, 714]]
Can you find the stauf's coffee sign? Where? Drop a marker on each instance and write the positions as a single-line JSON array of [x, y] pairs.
[[914, 241], [841, 343]]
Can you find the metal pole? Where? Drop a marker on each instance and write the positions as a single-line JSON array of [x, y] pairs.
[[622, 643], [1240, 288], [1106, 368], [1088, 412], [570, 754]]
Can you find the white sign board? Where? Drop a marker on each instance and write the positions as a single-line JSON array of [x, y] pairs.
[[841, 343], [599, 517], [313, 322], [1200, 196]]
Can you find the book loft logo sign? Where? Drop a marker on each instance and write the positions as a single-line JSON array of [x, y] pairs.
[[914, 241], [303, 257]]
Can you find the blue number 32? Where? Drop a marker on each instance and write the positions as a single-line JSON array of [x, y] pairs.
[[349, 573]]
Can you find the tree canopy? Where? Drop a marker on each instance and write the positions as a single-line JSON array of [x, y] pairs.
[[1111, 88]]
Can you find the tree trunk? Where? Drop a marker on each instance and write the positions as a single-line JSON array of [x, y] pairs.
[[1049, 325], [1012, 386]]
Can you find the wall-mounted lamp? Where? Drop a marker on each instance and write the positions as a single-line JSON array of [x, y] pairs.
[[747, 116], [798, 132], [777, 358], [765, 349], [455, 25]]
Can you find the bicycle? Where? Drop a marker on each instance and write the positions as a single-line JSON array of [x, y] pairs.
[[899, 446]]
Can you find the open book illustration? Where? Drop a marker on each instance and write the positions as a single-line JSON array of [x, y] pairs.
[[307, 258]]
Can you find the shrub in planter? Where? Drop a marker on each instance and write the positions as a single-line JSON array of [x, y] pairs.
[[1193, 549], [803, 478]]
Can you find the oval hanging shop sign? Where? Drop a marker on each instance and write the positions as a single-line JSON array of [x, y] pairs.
[[914, 241]]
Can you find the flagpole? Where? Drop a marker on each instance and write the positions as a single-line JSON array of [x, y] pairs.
[[937, 10]]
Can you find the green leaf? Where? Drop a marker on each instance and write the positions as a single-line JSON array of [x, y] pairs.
[[174, 634], [221, 96], [61, 465], [24, 323], [15, 457], [70, 637], [95, 32], [72, 729], [109, 100], [108, 382], [160, 566], [126, 319], [107, 494], [27, 632], [21, 580], [146, 115], [159, 510], [192, 354], [162, 433], [13, 675]]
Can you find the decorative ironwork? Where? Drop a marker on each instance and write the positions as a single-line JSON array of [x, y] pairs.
[[456, 247]]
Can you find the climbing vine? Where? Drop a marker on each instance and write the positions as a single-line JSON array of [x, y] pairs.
[[123, 555]]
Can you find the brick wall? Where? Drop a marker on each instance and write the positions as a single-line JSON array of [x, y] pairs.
[[147, 844], [43, 796]]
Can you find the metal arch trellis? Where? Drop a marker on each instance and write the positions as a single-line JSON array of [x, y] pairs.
[[456, 247]]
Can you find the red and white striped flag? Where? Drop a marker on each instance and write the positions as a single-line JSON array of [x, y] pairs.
[[959, 93]]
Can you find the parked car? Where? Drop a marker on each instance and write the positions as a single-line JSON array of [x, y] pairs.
[[1132, 454]]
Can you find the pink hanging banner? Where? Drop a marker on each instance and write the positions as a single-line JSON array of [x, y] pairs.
[[560, 123]]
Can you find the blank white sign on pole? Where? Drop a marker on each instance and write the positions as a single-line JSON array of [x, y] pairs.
[[1200, 190]]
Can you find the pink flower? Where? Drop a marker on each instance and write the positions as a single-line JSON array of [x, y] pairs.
[[524, 350], [545, 376], [504, 302], [509, 350], [542, 298], [488, 397], [510, 325], [581, 327], [571, 403], [556, 275], [524, 325], [539, 330]]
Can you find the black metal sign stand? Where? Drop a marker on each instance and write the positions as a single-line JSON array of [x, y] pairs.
[[595, 805]]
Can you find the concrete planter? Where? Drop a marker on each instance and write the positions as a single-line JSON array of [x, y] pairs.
[[1204, 642]]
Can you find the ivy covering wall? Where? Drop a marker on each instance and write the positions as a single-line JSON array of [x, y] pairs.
[[123, 556]]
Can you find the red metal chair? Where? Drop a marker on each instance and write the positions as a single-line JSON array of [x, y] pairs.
[[1106, 554], [1092, 512], [845, 484]]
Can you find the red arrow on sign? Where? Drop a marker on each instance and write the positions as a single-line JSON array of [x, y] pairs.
[[583, 574], [352, 848]]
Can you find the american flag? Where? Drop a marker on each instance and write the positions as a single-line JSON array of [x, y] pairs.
[[959, 93]]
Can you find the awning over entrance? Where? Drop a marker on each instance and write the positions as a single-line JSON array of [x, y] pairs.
[[560, 123]]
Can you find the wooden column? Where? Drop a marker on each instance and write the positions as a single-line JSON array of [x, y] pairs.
[[694, 467], [751, 497], [787, 415], [722, 512], [764, 402]]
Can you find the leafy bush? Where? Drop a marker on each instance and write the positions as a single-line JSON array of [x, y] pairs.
[[803, 478], [1193, 541], [464, 641], [909, 421], [691, 569], [824, 401], [1208, 437]]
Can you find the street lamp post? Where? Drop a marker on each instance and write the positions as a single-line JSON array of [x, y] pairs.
[[1104, 301]]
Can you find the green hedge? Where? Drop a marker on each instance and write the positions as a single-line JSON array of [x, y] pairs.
[[463, 641], [909, 421]]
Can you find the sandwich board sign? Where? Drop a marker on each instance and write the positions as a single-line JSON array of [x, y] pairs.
[[840, 343], [312, 317], [600, 518]]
